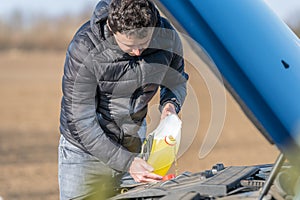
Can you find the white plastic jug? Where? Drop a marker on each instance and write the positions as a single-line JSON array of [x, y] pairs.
[[165, 144]]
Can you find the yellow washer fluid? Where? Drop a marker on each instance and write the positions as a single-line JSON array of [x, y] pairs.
[[165, 145]]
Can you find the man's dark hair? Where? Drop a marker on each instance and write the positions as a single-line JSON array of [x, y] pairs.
[[132, 16]]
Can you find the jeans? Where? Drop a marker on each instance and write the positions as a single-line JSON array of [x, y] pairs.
[[83, 176]]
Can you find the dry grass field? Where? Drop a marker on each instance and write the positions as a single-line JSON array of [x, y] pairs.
[[29, 128]]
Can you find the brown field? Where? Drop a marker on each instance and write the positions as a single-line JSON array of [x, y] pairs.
[[30, 101]]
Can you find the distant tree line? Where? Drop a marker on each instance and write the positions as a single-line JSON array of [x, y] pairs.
[[48, 33], [41, 33]]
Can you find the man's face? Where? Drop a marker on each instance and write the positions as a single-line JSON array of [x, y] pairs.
[[132, 45]]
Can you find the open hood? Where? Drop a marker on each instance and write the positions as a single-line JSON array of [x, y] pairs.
[[258, 57]]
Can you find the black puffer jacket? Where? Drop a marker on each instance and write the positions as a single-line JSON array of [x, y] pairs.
[[106, 91]]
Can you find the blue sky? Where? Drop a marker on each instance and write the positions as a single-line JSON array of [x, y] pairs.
[[285, 8]]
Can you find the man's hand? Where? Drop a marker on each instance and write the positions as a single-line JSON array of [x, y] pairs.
[[140, 171], [168, 110]]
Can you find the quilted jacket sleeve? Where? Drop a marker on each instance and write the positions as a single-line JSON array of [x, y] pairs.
[[173, 89], [79, 91]]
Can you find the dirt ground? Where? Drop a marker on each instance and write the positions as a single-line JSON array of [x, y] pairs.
[[29, 120]]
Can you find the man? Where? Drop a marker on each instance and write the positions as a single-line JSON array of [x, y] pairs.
[[114, 66]]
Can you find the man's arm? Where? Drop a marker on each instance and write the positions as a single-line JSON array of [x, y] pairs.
[[79, 91], [173, 90]]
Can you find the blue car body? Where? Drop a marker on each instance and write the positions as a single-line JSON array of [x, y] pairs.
[[258, 57]]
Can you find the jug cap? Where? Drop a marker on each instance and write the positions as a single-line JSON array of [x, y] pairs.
[[170, 140]]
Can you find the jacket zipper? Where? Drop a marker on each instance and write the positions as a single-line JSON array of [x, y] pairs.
[[139, 74]]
